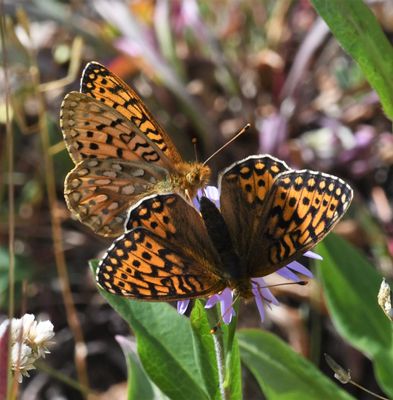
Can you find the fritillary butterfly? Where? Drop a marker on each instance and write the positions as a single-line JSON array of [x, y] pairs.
[[269, 216], [121, 153]]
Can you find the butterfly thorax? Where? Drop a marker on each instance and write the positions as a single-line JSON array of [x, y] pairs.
[[243, 287], [189, 177]]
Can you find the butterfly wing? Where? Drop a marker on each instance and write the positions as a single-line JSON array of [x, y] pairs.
[[100, 191], [244, 187], [303, 207], [167, 254], [296, 212], [101, 84], [92, 129]]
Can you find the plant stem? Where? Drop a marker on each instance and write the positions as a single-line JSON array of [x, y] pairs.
[[222, 347], [368, 391], [219, 349], [11, 199], [63, 378]]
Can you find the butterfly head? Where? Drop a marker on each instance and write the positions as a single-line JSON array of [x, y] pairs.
[[199, 175], [194, 176]]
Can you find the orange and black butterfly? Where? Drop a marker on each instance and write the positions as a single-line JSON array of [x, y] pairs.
[[269, 216], [121, 153]]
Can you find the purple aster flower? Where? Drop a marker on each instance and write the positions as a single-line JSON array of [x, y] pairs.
[[262, 295], [182, 306], [211, 192], [226, 300]]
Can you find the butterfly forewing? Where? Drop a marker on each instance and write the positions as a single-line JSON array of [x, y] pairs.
[[301, 209], [99, 83], [168, 255], [100, 191], [245, 186], [93, 130]]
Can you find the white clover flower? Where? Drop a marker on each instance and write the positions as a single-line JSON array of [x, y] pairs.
[[22, 360], [40, 335], [30, 340], [20, 327]]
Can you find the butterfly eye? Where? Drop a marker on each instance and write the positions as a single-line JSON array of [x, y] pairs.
[[193, 177], [199, 175]]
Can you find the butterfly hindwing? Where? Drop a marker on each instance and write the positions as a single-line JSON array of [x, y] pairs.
[[302, 208], [165, 256], [99, 83], [100, 191]]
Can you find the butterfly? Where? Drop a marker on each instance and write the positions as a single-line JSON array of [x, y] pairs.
[[121, 153], [269, 216]]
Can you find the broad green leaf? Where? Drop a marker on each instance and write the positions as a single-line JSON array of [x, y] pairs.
[[383, 366], [164, 342], [204, 349], [282, 373], [139, 385], [351, 286], [357, 30]]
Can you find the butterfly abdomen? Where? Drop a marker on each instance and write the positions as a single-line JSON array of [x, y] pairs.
[[220, 236]]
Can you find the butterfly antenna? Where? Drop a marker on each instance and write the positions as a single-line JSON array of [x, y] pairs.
[[301, 283], [195, 142], [227, 143], [221, 319]]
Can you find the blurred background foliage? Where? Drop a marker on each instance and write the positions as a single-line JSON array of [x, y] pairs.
[[205, 69]]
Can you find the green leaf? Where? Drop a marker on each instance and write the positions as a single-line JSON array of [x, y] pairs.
[[282, 373], [383, 366], [139, 385], [357, 30], [164, 343], [351, 287], [204, 349]]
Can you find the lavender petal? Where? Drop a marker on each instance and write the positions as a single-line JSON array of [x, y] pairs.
[[300, 268], [182, 306], [311, 254]]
